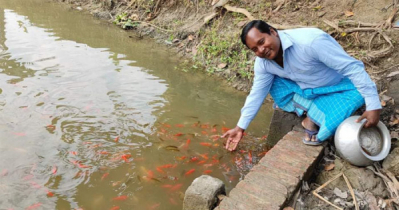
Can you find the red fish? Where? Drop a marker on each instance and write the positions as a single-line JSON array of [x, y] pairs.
[[207, 171], [206, 144], [35, 185], [116, 139], [50, 126], [167, 186], [180, 125], [193, 159], [34, 206], [168, 166], [115, 208], [215, 137], [262, 154], [120, 198], [159, 169], [20, 134], [172, 201], [204, 126], [201, 162], [155, 206], [189, 172], [176, 187], [126, 157], [205, 156], [204, 132], [87, 142], [167, 125], [178, 134], [104, 176], [214, 130], [150, 174], [250, 157], [73, 152], [264, 137], [187, 143], [83, 166], [181, 158], [54, 170], [49, 193], [224, 129], [103, 152]]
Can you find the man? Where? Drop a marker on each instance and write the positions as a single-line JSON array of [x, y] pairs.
[[305, 70]]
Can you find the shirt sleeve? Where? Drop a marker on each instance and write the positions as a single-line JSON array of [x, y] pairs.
[[260, 88], [328, 51]]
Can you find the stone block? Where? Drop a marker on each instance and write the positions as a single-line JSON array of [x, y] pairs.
[[202, 193]]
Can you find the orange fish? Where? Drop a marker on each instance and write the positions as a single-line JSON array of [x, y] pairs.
[[204, 126], [201, 162], [115, 208], [172, 201], [250, 157], [167, 125], [181, 158], [87, 142], [180, 125], [207, 171], [150, 174], [50, 126], [168, 166], [73, 152], [205, 156], [120, 198], [215, 137], [104, 176], [189, 172], [49, 194], [155, 206], [206, 144], [176, 187], [54, 170], [214, 130], [224, 129], [178, 134], [204, 132], [159, 169], [126, 157], [20, 134], [187, 143], [193, 159], [262, 154], [103, 152], [116, 139], [167, 186], [83, 166], [34, 206]]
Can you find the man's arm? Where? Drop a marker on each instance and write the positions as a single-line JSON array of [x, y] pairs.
[[260, 88], [327, 50]]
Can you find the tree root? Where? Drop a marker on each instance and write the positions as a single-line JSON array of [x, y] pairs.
[[239, 10]]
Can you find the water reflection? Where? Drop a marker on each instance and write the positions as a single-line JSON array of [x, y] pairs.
[[92, 120]]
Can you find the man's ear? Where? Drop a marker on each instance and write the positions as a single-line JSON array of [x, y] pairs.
[[273, 32]]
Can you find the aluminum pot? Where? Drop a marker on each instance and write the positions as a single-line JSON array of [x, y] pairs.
[[348, 143]]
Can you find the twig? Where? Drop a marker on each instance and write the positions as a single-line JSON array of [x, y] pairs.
[[239, 10], [332, 24], [350, 30], [371, 39], [322, 186], [388, 22], [357, 23], [321, 198], [279, 6], [351, 191]]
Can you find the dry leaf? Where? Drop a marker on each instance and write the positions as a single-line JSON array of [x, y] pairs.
[[190, 37], [222, 65], [395, 122], [343, 34], [329, 167], [241, 23], [180, 45], [349, 13], [383, 103]]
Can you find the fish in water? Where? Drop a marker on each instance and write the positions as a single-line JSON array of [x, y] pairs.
[[120, 198], [178, 134], [207, 171], [54, 170], [104, 176], [115, 208], [176, 187], [172, 148], [34, 206], [189, 172], [206, 144]]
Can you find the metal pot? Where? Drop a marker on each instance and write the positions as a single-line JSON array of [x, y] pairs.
[[349, 141]]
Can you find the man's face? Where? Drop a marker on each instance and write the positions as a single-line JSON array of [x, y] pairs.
[[262, 44]]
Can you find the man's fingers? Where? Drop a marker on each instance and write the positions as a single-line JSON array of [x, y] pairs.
[[224, 135], [228, 143], [360, 118]]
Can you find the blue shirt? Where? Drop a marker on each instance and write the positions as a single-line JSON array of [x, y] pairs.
[[312, 58]]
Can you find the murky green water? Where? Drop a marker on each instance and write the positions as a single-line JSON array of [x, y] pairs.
[[92, 119]]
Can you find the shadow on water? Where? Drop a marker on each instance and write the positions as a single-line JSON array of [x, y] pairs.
[[93, 119]]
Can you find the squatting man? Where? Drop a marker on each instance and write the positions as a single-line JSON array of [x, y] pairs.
[[305, 71]]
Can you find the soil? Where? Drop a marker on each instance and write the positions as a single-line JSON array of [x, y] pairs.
[[214, 45]]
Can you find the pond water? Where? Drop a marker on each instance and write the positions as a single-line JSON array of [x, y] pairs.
[[93, 119]]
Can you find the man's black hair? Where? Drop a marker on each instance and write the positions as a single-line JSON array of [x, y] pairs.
[[261, 25]]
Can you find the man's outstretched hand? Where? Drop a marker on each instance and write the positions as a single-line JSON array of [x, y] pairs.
[[233, 137], [372, 117]]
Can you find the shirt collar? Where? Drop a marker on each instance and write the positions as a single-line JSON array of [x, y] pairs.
[[285, 40]]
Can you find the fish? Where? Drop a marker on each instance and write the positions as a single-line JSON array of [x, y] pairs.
[[166, 125], [172, 201], [54, 170], [104, 176], [215, 137], [83, 166], [181, 158], [179, 125], [35, 185], [167, 186], [150, 174], [262, 154], [49, 193], [206, 144], [116, 139], [201, 162], [207, 171], [155, 206], [50, 126], [193, 159], [204, 132], [103, 152], [204, 126], [250, 157], [178, 134], [224, 129], [126, 157], [169, 166], [172, 148], [115, 208], [176, 187], [187, 143], [73, 152], [120, 198], [159, 169], [19, 134], [87, 142], [28, 177], [189, 172], [205, 156], [34, 206]]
